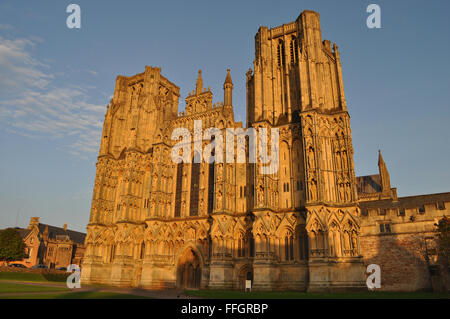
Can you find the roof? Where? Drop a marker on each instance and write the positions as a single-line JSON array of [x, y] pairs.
[[54, 231], [407, 201], [228, 78], [368, 184]]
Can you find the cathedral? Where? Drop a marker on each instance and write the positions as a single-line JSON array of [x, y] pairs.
[[155, 223]]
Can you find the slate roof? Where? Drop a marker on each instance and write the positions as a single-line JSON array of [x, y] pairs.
[[54, 231], [368, 184]]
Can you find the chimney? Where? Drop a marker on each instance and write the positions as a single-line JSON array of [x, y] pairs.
[[65, 226], [34, 221]]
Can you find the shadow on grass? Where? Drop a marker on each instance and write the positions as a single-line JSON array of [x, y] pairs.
[[218, 294], [35, 277]]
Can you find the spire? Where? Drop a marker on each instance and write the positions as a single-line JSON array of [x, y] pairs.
[[199, 86], [228, 90], [385, 180], [228, 79]]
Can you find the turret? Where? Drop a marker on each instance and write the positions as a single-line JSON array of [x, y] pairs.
[[228, 90], [199, 84]]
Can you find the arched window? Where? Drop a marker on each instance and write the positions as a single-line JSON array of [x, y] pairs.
[[293, 50], [142, 254], [288, 246], [280, 52], [303, 245], [211, 188], [195, 180], [179, 188]]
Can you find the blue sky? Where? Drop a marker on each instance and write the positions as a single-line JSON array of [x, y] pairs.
[[55, 83]]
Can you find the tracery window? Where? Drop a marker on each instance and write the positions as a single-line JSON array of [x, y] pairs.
[[280, 53], [179, 188]]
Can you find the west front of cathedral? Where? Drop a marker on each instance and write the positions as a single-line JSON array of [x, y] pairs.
[[155, 223]]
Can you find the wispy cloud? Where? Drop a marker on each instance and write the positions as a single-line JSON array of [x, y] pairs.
[[6, 27], [31, 104]]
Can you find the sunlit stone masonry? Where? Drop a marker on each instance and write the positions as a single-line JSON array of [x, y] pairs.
[[155, 223]]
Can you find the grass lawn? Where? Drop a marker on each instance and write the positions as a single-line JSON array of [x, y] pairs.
[[220, 294], [75, 295], [6, 287], [24, 276]]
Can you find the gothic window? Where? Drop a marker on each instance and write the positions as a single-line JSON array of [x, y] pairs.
[[142, 254], [287, 187], [179, 188], [113, 253], [280, 53], [303, 245], [252, 247], [195, 175], [293, 47], [288, 247], [211, 188], [241, 247]]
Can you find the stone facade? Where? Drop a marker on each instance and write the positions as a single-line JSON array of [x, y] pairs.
[[158, 224], [399, 234]]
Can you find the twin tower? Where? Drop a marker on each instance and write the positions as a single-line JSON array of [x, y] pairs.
[[155, 223]]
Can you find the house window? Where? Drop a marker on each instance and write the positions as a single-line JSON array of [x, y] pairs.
[[385, 228], [422, 210], [364, 212], [401, 212], [441, 205]]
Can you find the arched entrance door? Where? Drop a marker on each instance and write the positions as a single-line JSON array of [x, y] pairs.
[[189, 270], [245, 273]]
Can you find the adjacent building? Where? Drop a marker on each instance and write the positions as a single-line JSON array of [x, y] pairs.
[[50, 245]]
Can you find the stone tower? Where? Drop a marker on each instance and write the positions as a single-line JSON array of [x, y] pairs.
[[297, 87], [156, 223]]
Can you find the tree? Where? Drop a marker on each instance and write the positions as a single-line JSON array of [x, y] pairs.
[[444, 237], [12, 246]]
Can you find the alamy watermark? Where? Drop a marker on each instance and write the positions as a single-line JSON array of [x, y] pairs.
[[258, 145], [374, 276], [74, 279], [73, 21], [374, 19]]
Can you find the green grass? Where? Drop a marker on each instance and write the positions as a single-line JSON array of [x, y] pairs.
[[220, 294], [75, 295], [25, 276], [6, 287]]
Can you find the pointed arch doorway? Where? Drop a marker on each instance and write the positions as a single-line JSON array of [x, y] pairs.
[[189, 270]]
